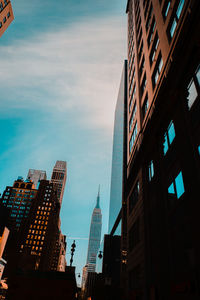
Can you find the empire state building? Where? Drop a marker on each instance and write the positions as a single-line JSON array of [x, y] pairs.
[[94, 237]]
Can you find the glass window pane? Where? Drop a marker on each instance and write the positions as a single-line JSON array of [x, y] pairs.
[[192, 93], [199, 149], [198, 74], [165, 144], [171, 132], [152, 169], [179, 185], [160, 65], [179, 9], [171, 189], [173, 27], [167, 9]]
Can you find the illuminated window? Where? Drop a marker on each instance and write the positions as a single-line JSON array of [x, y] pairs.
[[157, 70]]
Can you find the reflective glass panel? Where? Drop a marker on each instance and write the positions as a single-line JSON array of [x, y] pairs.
[[179, 9], [171, 132], [173, 27], [192, 93], [198, 74], [179, 185], [171, 189]]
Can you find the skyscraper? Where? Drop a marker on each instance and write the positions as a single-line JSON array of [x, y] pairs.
[[6, 15], [162, 214], [118, 154], [94, 239], [58, 178], [36, 176]]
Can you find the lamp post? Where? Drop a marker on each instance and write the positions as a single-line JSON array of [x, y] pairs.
[[73, 246]]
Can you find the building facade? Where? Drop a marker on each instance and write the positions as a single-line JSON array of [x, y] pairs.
[[59, 177], [94, 240], [162, 248], [6, 15], [118, 157], [36, 176], [38, 239]]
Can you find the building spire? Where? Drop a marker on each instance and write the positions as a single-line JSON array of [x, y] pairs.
[[98, 198]]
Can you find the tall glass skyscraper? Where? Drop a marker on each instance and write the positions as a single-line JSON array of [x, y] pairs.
[[118, 153], [95, 236]]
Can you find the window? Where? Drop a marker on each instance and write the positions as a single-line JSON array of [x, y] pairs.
[[145, 106], [176, 18], [168, 137], [151, 170], [133, 199], [176, 188], [166, 8], [132, 117], [133, 137], [199, 149], [154, 49], [1, 6], [134, 235], [193, 87], [157, 70], [144, 83], [4, 19], [149, 17], [153, 25], [8, 15], [5, 2], [142, 66], [133, 94]]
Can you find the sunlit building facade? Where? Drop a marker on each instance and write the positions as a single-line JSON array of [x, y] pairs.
[[59, 177], [36, 176], [6, 15], [161, 248]]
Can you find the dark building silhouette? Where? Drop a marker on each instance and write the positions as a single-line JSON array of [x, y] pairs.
[[6, 15], [162, 244]]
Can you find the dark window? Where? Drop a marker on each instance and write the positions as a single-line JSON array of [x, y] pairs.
[[133, 199], [176, 188], [132, 116], [8, 14], [142, 66], [140, 52], [154, 48], [0, 24], [168, 137], [1, 6], [134, 235], [4, 19], [150, 36], [149, 17], [145, 107], [144, 83]]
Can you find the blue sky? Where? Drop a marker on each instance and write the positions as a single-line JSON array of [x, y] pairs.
[[61, 65]]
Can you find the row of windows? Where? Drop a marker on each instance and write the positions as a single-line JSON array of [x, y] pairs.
[[175, 19]]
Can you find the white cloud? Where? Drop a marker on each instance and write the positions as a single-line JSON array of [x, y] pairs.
[[76, 69]]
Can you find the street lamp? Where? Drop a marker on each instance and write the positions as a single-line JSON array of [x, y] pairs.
[[73, 246]]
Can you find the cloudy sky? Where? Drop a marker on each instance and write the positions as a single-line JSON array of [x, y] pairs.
[[61, 64]]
